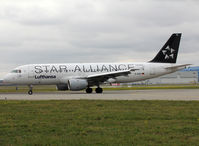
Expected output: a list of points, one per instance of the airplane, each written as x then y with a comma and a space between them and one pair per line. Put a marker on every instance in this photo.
79, 76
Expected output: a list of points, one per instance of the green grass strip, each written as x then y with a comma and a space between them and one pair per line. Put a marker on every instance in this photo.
86, 122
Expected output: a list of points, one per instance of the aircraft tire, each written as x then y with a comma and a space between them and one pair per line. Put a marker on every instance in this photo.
89, 90
30, 92
98, 90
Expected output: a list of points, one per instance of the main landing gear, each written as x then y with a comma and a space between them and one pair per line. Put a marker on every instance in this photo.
30, 90
89, 90
97, 90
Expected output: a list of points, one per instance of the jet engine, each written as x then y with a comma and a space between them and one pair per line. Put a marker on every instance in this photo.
62, 87
77, 84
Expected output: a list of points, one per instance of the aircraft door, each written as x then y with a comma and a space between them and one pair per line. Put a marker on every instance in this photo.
31, 75
30, 72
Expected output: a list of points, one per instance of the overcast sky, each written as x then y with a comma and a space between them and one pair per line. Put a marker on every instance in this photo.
66, 31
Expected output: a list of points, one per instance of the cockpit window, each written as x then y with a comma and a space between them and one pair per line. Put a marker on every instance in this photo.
16, 71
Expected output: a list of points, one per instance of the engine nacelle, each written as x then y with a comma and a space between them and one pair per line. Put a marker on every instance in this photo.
62, 87
77, 84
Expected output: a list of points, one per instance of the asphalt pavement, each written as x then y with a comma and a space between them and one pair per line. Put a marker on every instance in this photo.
165, 94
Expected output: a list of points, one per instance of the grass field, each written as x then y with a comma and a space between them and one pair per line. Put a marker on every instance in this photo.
89, 122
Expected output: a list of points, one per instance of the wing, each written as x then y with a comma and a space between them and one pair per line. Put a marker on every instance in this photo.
103, 77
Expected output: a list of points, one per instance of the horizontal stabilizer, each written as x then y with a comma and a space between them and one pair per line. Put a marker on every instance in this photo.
178, 66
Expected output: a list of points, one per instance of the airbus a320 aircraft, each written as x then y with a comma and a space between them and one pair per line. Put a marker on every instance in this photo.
79, 76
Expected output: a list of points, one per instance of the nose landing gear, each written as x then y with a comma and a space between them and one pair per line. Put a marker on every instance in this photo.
30, 90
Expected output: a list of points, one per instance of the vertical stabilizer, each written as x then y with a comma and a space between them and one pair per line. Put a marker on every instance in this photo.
169, 52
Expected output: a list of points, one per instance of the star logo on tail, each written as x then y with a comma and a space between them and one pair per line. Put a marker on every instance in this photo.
168, 53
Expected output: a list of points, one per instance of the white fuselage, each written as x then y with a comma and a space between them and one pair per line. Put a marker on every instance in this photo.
79, 76
53, 74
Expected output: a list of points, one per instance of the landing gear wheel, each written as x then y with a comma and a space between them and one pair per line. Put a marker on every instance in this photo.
98, 90
30, 89
89, 90
30, 92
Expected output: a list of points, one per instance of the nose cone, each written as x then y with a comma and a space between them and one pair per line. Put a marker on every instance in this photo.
7, 79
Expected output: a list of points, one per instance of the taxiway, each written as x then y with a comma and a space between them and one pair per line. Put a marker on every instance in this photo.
166, 94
